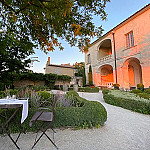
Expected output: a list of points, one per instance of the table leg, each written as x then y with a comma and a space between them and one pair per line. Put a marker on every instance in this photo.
7, 131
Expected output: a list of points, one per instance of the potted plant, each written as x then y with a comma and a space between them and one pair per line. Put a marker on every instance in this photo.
116, 86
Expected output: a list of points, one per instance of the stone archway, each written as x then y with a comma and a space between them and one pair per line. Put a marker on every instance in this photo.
104, 49
106, 75
134, 71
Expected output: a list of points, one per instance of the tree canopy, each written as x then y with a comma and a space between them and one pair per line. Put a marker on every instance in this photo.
44, 21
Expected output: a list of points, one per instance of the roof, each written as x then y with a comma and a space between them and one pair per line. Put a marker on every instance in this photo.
61, 66
124, 22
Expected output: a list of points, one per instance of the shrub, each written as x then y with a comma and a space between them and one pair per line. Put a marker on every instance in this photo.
70, 89
86, 89
13, 92
128, 101
144, 95
116, 86
74, 98
92, 113
105, 91
84, 78
135, 91
147, 91
90, 76
140, 87
2, 94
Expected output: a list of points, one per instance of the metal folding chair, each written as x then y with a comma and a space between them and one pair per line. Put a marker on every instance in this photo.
46, 116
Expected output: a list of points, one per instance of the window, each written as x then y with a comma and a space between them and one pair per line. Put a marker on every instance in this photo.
89, 59
57, 71
130, 39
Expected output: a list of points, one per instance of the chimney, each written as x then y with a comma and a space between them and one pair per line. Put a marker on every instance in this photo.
48, 62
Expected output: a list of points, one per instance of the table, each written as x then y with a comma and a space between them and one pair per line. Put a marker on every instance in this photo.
16, 104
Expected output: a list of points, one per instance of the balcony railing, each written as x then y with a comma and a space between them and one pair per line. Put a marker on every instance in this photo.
105, 58
106, 84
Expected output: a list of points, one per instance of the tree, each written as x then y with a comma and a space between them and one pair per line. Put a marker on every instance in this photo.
79, 67
44, 21
13, 56
90, 76
84, 77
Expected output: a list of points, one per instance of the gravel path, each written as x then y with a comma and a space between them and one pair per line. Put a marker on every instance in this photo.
124, 130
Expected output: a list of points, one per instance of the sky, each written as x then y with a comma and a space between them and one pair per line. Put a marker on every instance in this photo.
117, 10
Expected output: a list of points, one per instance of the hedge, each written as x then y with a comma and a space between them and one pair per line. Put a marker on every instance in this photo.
86, 89
141, 106
91, 113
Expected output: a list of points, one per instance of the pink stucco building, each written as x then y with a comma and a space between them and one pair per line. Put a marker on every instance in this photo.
122, 55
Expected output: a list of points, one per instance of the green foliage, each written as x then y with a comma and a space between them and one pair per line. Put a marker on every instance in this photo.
10, 92
136, 91
144, 95
84, 78
2, 94
147, 91
63, 78
92, 113
39, 88
13, 92
86, 89
13, 56
140, 87
90, 76
41, 24
128, 101
116, 86
105, 91
50, 80
89, 114
30, 76
80, 69
44, 95
74, 98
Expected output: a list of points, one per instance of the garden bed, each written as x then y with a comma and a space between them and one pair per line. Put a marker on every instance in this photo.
86, 89
127, 100
81, 113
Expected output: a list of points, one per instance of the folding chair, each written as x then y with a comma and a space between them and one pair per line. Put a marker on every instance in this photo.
46, 116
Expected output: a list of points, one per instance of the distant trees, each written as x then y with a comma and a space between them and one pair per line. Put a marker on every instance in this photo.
84, 77
90, 76
13, 56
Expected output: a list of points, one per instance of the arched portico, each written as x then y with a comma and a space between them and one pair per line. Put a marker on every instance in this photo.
106, 75
104, 49
134, 72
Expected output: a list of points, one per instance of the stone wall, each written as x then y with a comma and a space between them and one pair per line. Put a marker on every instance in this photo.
24, 83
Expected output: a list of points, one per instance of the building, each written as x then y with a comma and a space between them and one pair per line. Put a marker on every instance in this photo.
122, 55
63, 69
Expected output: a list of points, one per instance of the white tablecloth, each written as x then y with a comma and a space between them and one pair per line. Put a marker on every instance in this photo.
16, 101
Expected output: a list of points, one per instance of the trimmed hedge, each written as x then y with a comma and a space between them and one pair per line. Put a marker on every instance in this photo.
144, 95
86, 89
135, 91
147, 91
91, 113
141, 106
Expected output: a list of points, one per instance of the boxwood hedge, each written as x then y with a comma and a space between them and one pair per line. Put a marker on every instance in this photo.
139, 105
86, 89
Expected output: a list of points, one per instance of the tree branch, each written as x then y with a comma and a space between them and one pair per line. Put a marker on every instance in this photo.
5, 4
21, 9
